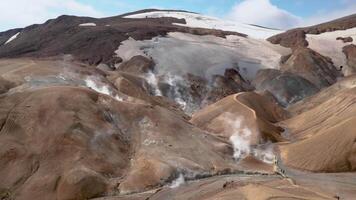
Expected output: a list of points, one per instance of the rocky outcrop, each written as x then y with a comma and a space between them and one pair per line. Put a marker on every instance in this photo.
350, 53
345, 39
286, 87
290, 39
222, 86
312, 66
137, 65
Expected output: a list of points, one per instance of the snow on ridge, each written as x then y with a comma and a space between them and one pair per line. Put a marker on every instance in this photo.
12, 38
201, 21
87, 24
327, 45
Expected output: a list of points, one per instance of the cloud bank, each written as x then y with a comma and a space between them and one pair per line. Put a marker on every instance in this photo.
264, 13
20, 13
325, 16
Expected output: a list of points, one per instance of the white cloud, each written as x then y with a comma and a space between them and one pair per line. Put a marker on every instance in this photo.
325, 16
263, 13
20, 13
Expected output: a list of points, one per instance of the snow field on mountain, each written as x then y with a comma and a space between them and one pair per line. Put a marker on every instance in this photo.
181, 53
201, 21
327, 45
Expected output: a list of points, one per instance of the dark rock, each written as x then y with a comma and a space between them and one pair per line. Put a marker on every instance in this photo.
292, 39
345, 39
286, 87
350, 53
113, 61
137, 65
234, 75
314, 67
222, 86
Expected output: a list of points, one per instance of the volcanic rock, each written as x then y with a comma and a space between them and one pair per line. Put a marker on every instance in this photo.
286, 87
312, 66
350, 53
222, 86
345, 39
291, 39
137, 65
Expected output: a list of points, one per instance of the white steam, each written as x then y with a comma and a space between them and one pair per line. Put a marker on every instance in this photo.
241, 144
177, 90
153, 82
265, 155
178, 182
241, 138
174, 81
102, 88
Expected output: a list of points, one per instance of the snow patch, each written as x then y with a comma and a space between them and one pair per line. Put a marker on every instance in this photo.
87, 24
130, 48
327, 45
12, 38
202, 21
204, 56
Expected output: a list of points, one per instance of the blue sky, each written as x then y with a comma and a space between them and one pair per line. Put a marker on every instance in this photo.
303, 8
282, 14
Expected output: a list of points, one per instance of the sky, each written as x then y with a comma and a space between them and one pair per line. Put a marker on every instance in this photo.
282, 14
